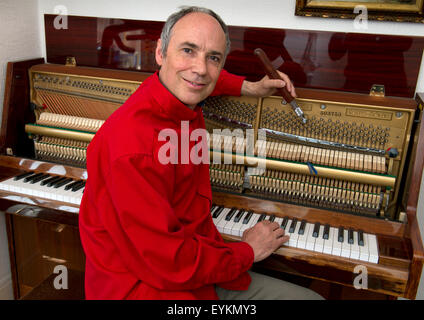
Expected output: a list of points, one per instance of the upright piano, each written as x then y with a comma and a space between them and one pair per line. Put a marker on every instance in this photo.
344, 185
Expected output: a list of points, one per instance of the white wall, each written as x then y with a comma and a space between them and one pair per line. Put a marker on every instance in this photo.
22, 36
19, 39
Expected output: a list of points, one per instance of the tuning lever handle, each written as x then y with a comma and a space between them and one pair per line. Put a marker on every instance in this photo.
272, 73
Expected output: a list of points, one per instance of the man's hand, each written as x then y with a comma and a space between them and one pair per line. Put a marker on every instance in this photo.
266, 86
264, 238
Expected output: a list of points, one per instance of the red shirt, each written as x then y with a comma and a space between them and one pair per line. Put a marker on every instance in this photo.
146, 227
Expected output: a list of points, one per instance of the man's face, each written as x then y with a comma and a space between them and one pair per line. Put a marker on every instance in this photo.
194, 58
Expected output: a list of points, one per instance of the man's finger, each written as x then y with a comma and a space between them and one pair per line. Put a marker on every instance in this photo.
275, 226
279, 232
283, 239
289, 84
275, 83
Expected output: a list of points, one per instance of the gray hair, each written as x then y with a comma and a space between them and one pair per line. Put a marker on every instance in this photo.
172, 20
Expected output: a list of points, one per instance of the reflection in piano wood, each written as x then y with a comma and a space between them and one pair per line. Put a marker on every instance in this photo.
339, 185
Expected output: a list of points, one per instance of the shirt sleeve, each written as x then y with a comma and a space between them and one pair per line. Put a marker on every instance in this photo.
228, 84
155, 246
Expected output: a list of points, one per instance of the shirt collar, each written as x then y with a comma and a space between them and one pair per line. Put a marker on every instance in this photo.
171, 105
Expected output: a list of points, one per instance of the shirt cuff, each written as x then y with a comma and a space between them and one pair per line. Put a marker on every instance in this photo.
243, 253
228, 84
234, 83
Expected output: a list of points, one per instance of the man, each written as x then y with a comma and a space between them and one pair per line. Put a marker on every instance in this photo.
146, 226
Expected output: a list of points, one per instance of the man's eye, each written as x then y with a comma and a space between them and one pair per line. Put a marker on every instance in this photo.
187, 50
215, 59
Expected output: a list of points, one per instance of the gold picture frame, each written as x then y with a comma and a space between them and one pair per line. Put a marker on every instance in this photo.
383, 10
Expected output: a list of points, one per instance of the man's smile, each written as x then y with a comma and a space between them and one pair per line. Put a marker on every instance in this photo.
195, 85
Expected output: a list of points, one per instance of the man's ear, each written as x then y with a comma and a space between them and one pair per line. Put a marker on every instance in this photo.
158, 53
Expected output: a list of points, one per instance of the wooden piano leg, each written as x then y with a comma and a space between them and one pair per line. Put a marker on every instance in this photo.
11, 244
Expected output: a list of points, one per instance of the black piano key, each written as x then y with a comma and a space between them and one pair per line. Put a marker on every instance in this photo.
53, 182
272, 218
326, 234
350, 236
284, 222
82, 185
239, 215
302, 227
229, 215
71, 185
29, 179
315, 233
217, 212
63, 182
340, 236
76, 185
23, 175
213, 207
54, 178
247, 217
293, 225
38, 179
361, 238
262, 217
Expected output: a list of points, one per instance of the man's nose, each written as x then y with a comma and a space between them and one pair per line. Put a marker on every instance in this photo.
199, 65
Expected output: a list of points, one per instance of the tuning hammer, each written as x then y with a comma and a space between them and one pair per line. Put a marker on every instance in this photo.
273, 74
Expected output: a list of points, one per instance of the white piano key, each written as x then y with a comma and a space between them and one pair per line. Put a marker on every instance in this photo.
244, 226
76, 196
328, 243
301, 240
287, 228
35, 189
68, 195
229, 225
9, 185
235, 230
319, 242
354, 249
337, 246
310, 240
345, 245
364, 254
373, 248
216, 220
278, 220
221, 224
294, 236
16, 186
251, 223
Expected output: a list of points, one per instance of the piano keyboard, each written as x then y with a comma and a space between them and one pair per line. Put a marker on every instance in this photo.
335, 241
46, 186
